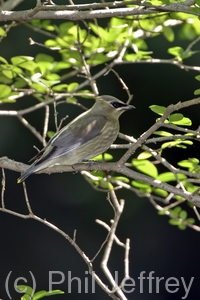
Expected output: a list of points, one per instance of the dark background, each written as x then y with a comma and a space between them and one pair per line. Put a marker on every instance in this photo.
69, 202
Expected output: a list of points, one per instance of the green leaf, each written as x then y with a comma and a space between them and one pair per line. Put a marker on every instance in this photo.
65, 27
162, 212
197, 2
190, 163
43, 293
61, 65
144, 155
2, 59
60, 87
121, 178
189, 54
52, 77
8, 74
26, 289
174, 222
182, 226
146, 167
176, 210
168, 33
104, 156
197, 77
160, 192
2, 32
197, 92
142, 186
104, 184
72, 100
44, 57
163, 133
72, 86
177, 143
176, 51
98, 58
179, 119
26, 297
17, 60
183, 215
175, 117
29, 66
50, 134
5, 91
20, 83
160, 110
190, 220
169, 176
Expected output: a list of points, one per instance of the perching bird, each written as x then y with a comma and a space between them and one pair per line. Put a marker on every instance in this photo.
87, 136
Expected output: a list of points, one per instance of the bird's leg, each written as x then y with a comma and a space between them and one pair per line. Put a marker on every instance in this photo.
90, 163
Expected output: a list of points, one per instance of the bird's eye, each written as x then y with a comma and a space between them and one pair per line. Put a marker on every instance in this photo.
117, 104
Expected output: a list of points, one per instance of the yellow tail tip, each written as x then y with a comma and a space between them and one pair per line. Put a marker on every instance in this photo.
19, 180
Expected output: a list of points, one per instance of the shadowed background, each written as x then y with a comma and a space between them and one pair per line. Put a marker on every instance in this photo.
69, 202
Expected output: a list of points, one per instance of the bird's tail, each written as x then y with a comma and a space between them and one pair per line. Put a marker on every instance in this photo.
27, 173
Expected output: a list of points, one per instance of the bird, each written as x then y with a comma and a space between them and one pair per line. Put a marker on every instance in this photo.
88, 135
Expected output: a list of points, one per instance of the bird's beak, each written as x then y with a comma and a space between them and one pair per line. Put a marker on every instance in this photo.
128, 107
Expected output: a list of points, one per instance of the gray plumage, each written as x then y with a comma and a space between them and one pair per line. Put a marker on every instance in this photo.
87, 136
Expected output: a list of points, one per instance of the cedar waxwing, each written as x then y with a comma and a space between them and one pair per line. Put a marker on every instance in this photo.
87, 136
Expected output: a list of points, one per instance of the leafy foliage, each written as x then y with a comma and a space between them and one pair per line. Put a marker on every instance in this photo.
30, 294
80, 48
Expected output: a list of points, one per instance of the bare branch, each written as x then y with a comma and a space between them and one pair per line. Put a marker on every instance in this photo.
74, 13
126, 259
3, 183
118, 208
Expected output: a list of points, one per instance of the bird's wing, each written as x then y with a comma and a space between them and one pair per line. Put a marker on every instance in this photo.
73, 137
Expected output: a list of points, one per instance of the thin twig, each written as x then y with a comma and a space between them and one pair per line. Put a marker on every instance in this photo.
126, 259
3, 183
45, 127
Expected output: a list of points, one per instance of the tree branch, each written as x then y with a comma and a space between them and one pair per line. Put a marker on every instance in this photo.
75, 13
7, 163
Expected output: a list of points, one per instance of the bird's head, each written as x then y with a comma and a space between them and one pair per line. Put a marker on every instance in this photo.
111, 105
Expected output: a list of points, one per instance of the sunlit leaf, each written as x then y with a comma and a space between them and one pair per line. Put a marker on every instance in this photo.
168, 33
169, 176
17, 60
176, 51
2, 59
44, 57
160, 192
105, 156
60, 87
72, 86
5, 91
50, 134
146, 167
43, 293
162, 133
160, 110
142, 186
2, 32
190, 163
121, 178
25, 288
179, 119
144, 155
72, 100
